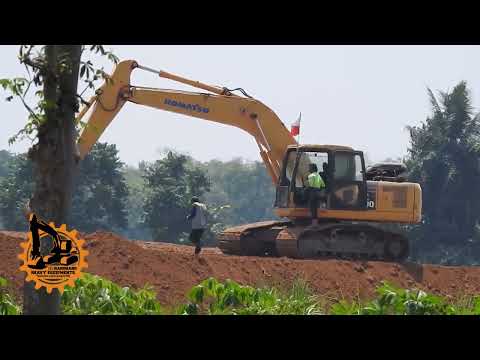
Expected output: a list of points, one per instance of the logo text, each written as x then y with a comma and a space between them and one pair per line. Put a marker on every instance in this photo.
190, 107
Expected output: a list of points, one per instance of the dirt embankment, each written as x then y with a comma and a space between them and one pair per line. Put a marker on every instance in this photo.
172, 270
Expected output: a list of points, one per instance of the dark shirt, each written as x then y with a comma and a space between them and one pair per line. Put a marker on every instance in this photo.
193, 212
323, 174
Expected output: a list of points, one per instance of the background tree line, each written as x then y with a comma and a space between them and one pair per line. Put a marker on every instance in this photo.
147, 202
152, 200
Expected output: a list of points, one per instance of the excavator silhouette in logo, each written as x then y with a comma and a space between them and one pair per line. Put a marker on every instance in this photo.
62, 252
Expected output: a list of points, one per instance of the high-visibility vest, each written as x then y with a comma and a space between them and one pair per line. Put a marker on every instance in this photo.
315, 181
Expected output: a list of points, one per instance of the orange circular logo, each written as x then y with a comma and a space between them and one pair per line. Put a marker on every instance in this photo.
64, 262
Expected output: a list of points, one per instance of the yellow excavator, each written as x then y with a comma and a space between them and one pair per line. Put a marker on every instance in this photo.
357, 199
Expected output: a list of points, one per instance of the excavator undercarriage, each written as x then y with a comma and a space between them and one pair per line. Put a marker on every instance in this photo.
329, 239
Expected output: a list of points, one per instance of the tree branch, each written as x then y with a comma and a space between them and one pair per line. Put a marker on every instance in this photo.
29, 109
83, 101
26, 60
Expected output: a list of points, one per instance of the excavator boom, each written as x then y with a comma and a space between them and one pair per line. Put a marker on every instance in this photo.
220, 105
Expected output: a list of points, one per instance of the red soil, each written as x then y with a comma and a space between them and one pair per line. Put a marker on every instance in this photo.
172, 270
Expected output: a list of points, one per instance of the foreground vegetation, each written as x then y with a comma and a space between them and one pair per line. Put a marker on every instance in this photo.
94, 295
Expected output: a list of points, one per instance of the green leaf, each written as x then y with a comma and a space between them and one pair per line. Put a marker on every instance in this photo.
196, 294
97, 296
113, 58
12, 140
5, 83
190, 309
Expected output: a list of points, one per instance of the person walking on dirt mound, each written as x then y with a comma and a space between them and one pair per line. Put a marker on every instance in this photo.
198, 216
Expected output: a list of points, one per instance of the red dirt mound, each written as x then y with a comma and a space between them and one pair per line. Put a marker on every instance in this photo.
172, 270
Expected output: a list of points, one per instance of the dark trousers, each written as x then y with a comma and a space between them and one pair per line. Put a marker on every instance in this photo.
314, 200
196, 238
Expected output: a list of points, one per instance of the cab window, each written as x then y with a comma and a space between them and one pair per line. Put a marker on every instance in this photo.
348, 167
307, 158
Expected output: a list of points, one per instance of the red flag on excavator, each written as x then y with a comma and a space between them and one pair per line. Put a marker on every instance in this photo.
295, 127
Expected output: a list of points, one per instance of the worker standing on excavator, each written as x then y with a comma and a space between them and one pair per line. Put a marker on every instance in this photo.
315, 187
198, 216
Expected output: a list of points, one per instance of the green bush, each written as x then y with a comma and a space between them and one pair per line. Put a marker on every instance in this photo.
93, 295
229, 298
7, 304
396, 301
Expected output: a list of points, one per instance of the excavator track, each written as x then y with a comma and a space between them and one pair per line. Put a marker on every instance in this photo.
342, 240
331, 239
256, 239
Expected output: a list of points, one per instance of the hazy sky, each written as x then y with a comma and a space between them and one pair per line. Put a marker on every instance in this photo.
361, 96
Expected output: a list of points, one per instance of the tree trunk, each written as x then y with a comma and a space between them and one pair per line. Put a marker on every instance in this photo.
54, 161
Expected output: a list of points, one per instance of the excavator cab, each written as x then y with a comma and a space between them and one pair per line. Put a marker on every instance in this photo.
341, 168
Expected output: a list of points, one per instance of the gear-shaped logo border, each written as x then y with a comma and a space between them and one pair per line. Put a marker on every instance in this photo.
70, 279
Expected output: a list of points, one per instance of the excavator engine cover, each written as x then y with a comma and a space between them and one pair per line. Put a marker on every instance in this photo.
387, 172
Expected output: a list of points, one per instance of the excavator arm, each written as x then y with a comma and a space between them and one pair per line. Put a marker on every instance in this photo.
219, 105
